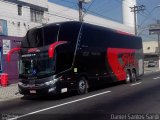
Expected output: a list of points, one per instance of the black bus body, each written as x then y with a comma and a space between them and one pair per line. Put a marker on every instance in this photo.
60, 57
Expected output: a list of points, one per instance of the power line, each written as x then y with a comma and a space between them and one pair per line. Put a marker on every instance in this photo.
67, 9
88, 8
61, 16
100, 5
148, 15
90, 5
100, 15
136, 9
69, 2
110, 7
126, 4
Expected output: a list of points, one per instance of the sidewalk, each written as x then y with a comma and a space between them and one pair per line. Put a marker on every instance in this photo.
9, 92
151, 69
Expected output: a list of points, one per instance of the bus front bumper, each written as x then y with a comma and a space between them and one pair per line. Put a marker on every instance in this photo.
36, 89
41, 89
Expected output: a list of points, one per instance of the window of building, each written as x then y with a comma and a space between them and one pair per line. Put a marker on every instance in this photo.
19, 10
36, 16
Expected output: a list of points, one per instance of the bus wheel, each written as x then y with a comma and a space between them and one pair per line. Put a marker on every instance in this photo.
134, 79
128, 77
82, 86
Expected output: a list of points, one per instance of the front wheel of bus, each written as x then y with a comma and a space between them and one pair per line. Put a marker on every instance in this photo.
82, 86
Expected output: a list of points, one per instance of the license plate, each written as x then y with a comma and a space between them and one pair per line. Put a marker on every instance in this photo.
33, 91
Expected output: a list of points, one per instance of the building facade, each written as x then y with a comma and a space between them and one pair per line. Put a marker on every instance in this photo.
150, 47
18, 16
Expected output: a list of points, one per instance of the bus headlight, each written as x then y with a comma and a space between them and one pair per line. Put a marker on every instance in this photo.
51, 82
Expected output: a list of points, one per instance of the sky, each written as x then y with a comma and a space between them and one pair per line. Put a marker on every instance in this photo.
112, 10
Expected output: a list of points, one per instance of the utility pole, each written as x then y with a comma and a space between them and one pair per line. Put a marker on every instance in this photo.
80, 5
80, 11
136, 9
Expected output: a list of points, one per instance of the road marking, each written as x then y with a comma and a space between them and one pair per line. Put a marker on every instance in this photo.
156, 78
136, 84
60, 105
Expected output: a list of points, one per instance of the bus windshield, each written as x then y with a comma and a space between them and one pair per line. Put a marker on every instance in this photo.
37, 64
43, 36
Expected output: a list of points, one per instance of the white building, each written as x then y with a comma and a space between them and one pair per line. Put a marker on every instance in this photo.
150, 47
17, 16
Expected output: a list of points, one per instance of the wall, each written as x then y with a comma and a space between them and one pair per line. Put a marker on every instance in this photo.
10, 68
16, 25
150, 46
128, 16
42, 3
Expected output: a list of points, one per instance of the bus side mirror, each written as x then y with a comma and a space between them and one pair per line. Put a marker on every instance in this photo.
10, 52
52, 47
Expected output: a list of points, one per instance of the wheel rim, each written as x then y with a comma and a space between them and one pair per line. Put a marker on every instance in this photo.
128, 77
82, 86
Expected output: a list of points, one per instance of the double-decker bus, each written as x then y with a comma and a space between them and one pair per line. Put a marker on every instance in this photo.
65, 56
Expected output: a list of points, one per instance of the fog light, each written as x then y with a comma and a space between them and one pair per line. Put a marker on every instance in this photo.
51, 89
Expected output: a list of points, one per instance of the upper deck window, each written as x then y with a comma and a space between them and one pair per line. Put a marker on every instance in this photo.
38, 37
33, 38
46, 35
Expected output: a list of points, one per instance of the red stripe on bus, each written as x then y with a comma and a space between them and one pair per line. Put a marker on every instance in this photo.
52, 47
114, 61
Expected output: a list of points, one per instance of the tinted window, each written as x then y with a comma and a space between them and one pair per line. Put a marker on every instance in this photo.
69, 32
33, 38
65, 54
124, 41
100, 38
38, 37
50, 33
93, 37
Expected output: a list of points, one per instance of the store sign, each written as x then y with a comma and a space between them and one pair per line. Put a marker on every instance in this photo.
6, 46
3, 27
154, 29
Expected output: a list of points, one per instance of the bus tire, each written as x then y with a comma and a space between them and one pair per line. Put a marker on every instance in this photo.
82, 86
133, 75
128, 77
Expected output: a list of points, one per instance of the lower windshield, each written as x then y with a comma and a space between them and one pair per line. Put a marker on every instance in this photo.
37, 64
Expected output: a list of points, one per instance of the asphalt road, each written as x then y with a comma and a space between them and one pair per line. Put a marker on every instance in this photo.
135, 101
